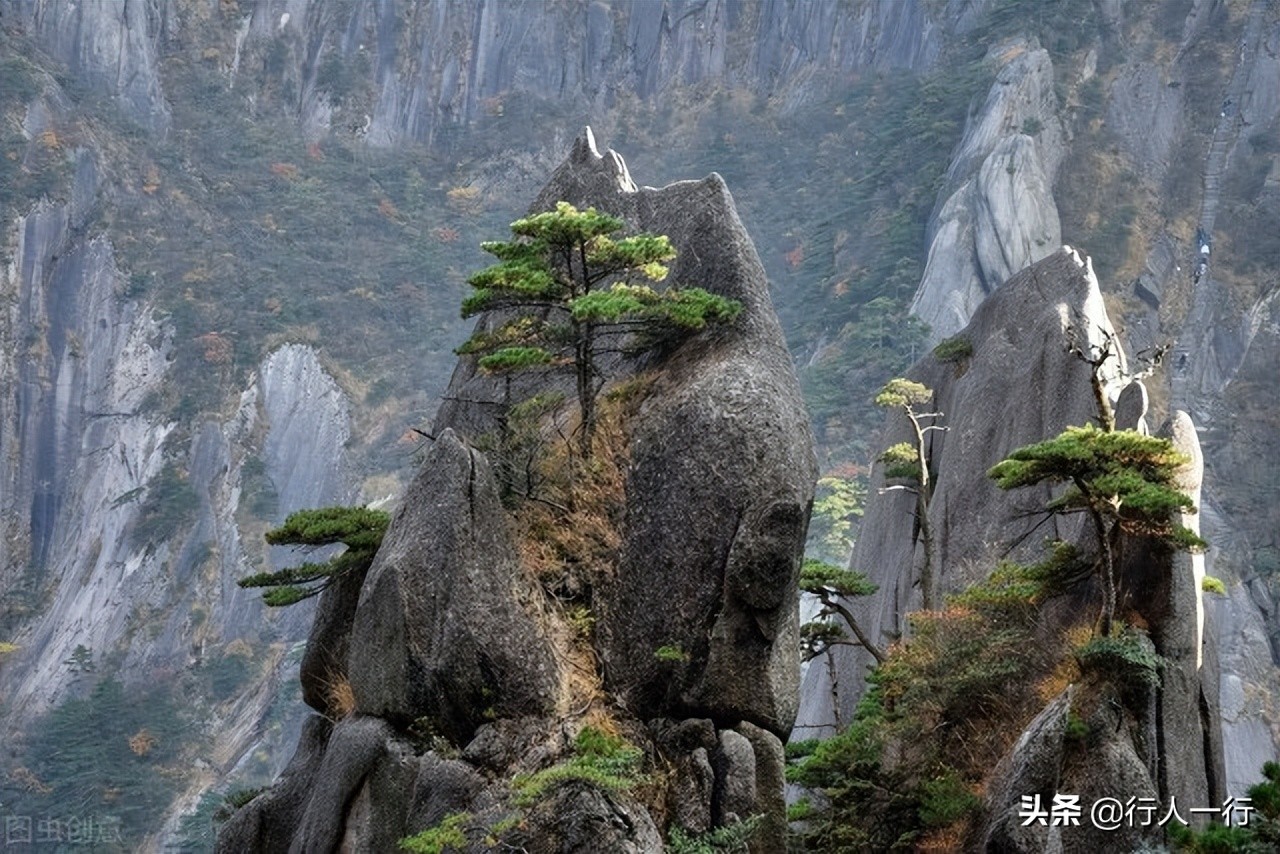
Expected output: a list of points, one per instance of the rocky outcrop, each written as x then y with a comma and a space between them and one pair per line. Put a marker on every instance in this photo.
721, 430
447, 626
1017, 337
996, 213
1161, 741
451, 637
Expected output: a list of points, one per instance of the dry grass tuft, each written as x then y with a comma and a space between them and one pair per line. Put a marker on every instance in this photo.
339, 696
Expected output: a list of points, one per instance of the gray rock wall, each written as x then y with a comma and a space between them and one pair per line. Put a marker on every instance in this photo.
996, 213
114, 45
1017, 336
436, 67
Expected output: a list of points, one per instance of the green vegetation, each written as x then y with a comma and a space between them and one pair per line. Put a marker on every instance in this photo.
837, 505
450, 833
1124, 481
957, 348
939, 711
671, 654
727, 839
1125, 659
831, 584
109, 754
569, 285
360, 529
1209, 584
602, 760
909, 463
169, 504
1260, 836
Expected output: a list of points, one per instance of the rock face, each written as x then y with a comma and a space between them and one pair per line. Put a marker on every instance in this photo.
1018, 342
87, 454
1166, 743
447, 626
465, 60
111, 44
450, 632
722, 430
996, 213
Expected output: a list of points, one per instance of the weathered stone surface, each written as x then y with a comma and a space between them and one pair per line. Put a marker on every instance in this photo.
324, 663
1131, 408
577, 818
683, 736
771, 766
111, 44
1167, 589
515, 745
721, 438
376, 820
996, 214
1110, 766
443, 786
444, 627
472, 54
268, 822
735, 767
1032, 767
1018, 341
308, 425
355, 748
692, 787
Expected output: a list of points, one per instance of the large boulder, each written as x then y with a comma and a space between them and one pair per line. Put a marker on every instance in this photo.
452, 639
720, 475
268, 822
446, 626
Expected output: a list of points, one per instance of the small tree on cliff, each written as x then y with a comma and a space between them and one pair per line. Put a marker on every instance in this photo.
1123, 480
567, 291
360, 529
831, 584
908, 463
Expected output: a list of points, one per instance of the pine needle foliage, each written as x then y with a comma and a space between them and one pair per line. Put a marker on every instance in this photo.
1128, 476
1125, 481
832, 584
909, 463
360, 529
571, 290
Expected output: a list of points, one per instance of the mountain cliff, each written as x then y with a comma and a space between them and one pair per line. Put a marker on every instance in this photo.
235, 235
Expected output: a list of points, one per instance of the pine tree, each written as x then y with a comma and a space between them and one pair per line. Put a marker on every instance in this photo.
360, 529
567, 290
1124, 481
908, 462
831, 584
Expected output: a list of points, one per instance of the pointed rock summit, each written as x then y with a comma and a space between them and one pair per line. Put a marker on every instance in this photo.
485, 689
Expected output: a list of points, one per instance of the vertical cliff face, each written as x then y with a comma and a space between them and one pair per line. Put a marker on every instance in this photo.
405, 73
1166, 743
996, 213
123, 531
1017, 338
1168, 105
112, 46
